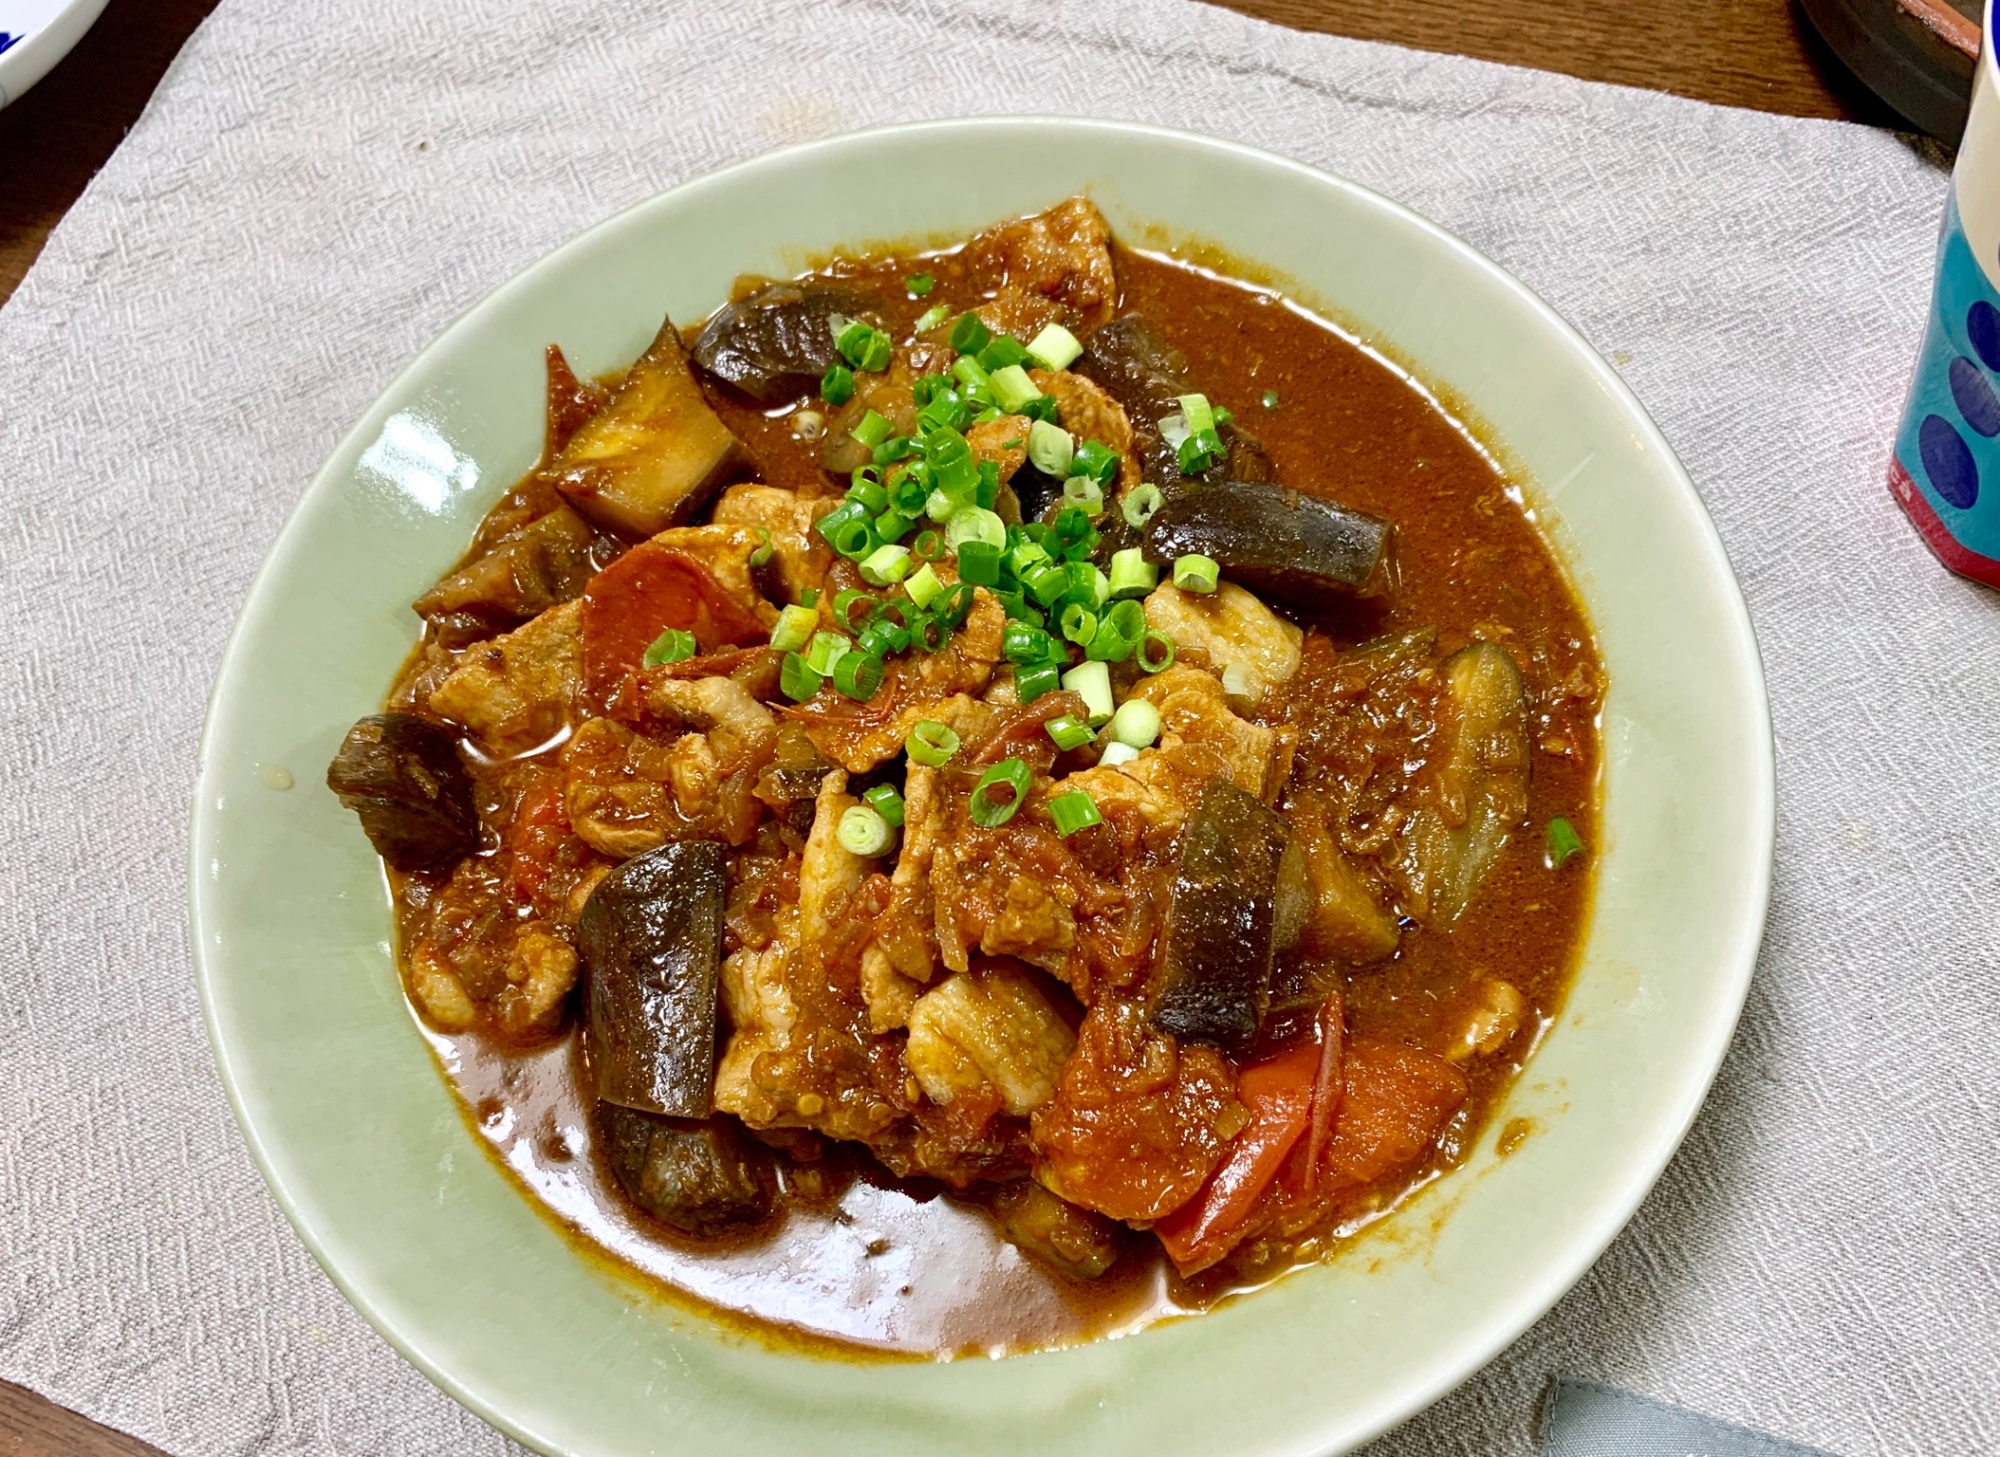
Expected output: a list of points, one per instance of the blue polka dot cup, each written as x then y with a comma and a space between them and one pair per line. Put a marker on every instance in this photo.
1946, 470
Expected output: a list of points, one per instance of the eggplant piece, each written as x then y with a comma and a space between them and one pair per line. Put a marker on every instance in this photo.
539, 566
700, 1177
1147, 377
1080, 1242
652, 457
1483, 782
1277, 541
1213, 982
651, 938
402, 775
775, 344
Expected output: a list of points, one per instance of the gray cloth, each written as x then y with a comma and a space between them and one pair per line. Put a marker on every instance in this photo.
317, 190
1585, 1419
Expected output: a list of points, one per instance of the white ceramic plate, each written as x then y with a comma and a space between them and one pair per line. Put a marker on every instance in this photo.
359, 1137
35, 34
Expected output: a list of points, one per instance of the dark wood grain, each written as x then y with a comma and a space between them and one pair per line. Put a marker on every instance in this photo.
1753, 53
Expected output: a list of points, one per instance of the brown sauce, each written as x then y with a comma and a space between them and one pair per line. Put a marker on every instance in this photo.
860, 1262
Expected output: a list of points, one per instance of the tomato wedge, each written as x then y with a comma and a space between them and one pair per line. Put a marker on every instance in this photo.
1279, 1094
1301, 1177
646, 591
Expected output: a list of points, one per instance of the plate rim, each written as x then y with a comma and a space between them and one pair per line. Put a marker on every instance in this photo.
1533, 1298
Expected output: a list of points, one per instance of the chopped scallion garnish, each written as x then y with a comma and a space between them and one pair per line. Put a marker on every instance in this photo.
924, 586
1270, 399
1136, 722
873, 430
1131, 574
844, 604
794, 629
886, 802
1096, 460
886, 565
973, 523
979, 563
1141, 503
764, 548
931, 743
796, 678
1055, 347
1092, 682
864, 346
1012, 389
826, 649
675, 645
1156, 652
857, 675
969, 335
1032, 682
1079, 624
1196, 573
1198, 413
999, 793
1074, 811
919, 284
1565, 844
836, 386
1051, 449
1068, 732
1083, 493
930, 318
863, 831
1115, 754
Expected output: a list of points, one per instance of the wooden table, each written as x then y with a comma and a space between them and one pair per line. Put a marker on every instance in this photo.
1753, 53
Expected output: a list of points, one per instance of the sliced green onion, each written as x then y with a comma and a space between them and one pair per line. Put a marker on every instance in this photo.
1045, 582
923, 586
928, 547
955, 605
919, 284
1242, 684
1118, 632
1042, 407
1115, 754
989, 808
836, 386
1092, 681
1003, 351
986, 495
1069, 732
857, 676
928, 634
797, 679
883, 637
1565, 844
931, 743
1199, 415
1096, 460
863, 831
794, 629
1023, 642
947, 411
1270, 399
886, 802
1222, 417
1136, 723
764, 549
826, 649
672, 646
969, 335
979, 563
1012, 389
930, 318
1198, 452
809, 597
973, 523
864, 346
1196, 573
893, 525
1051, 449
1027, 553
1055, 347
855, 538
830, 525
1032, 682
886, 565
895, 448
1131, 574
1156, 652
844, 604
873, 430
970, 373
1082, 492
867, 493
1079, 624
909, 488
1141, 503
1074, 811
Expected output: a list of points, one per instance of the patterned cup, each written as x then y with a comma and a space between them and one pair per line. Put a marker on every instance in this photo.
1946, 470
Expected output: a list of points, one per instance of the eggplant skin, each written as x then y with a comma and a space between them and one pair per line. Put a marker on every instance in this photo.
775, 344
702, 1178
651, 940
1213, 982
1147, 376
1278, 542
402, 775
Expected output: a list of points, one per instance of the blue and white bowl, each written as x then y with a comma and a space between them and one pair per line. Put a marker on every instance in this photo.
35, 34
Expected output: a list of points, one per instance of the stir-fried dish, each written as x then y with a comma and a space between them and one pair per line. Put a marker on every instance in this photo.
980, 798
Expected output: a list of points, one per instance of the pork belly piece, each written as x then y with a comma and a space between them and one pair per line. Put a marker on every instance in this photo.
519, 689
653, 456
989, 1030
1228, 625
799, 558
